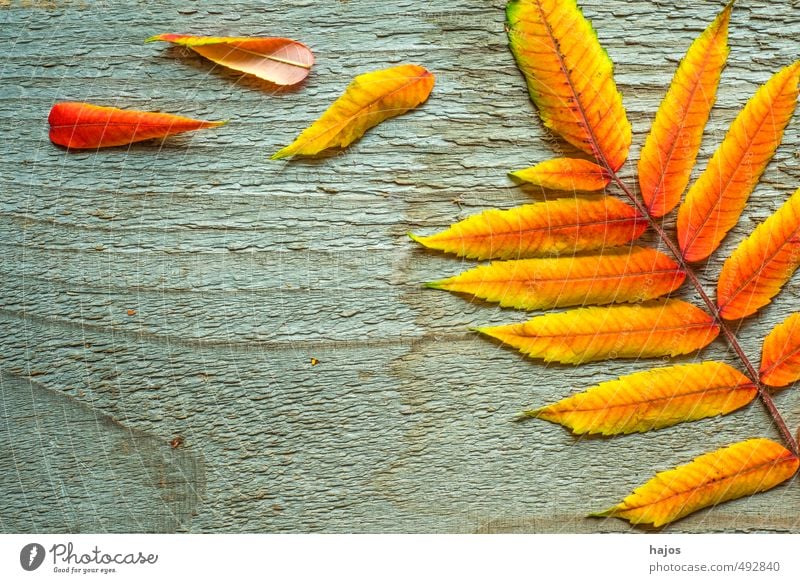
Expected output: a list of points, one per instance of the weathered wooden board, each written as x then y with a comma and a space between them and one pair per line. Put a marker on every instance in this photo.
182, 289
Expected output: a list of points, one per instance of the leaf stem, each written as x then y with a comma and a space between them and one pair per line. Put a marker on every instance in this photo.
729, 335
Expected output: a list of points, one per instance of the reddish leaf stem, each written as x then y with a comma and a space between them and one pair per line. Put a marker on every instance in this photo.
729, 335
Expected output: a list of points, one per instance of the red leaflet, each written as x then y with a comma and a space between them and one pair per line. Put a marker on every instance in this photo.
82, 125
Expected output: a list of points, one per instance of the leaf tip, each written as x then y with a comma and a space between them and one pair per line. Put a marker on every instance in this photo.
527, 414
608, 512
416, 238
440, 284
154, 38
515, 175
279, 154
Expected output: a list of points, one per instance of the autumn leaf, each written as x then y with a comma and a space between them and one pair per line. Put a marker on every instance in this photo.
652, 399
761, 264
741, 469
83, 125
715, 201
671, 147
617, 275
780, 355
559, 226
281, 61
655, 328
569, 77
369, 99
565, 174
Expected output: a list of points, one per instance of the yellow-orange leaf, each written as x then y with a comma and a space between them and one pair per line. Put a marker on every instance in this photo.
780, 355
671, 148
281, 61
653, 399
617, 275
369, 99
741, 469
569, 76
714, 203
655, 328
564, 225
761, 264
565, 174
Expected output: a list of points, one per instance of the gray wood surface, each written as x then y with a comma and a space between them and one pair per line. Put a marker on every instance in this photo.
181, 290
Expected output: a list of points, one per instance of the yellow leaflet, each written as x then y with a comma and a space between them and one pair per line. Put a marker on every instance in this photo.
570, 77
616, 275
670, 150
741, 469
563, 225
655, 328
367, 101
652, 399
568, 174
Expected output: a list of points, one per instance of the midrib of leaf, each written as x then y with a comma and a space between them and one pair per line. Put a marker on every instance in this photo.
575, 95
262, 55
729, 335
547, 228
121, 124
739, 387
595, 333
566, 279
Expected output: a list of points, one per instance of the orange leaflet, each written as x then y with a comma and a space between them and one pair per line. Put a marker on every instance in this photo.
741, 469
563, 225
570, 77
369, 99
565, 174
780, 355
652, 399
617, 275
670, 150
761, 264
278, 60
714, 203
82, 125
655, 328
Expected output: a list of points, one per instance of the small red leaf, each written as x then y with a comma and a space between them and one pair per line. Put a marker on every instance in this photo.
82, 125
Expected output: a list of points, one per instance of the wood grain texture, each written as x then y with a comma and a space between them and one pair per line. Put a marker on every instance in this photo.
182, 289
